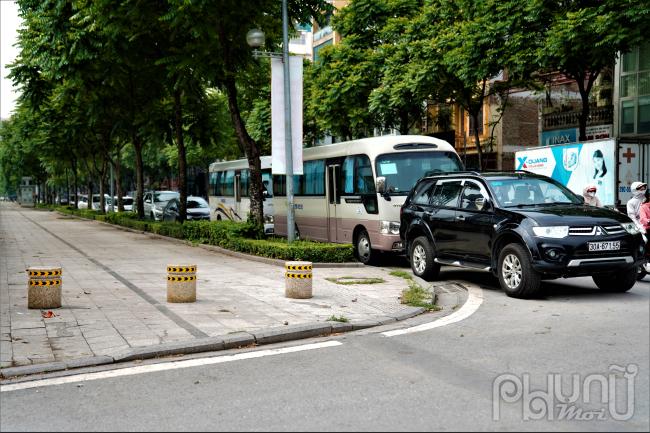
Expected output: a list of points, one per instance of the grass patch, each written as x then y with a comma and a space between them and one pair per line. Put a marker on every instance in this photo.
402, 274
346, 281
417, 296
341, 319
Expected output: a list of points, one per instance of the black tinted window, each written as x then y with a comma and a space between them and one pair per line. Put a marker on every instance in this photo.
422, 193
472, 198
447, 194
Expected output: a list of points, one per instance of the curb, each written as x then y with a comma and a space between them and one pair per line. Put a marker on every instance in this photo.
216, 249
236, 340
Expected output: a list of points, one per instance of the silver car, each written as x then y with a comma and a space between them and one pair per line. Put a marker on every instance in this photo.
155, 202
197, 209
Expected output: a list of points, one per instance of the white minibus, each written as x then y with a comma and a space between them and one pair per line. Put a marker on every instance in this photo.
352, 192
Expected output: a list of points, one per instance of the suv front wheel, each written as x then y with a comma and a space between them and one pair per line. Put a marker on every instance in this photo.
422, 259
516, 275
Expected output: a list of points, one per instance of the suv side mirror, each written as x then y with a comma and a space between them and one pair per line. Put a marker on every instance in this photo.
581, 198
381, 184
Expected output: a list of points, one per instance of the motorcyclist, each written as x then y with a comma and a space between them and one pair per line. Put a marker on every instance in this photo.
634, 204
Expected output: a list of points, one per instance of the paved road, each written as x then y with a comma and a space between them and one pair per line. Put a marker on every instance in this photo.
441, 379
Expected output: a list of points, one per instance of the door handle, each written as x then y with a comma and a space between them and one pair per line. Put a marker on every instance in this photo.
460, 217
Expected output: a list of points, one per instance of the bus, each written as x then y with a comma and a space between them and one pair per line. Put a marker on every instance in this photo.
352, 192
228, 195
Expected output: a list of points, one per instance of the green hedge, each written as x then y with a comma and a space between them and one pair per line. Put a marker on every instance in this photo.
245, 237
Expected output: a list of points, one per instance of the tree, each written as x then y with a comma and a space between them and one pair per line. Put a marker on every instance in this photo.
457, 52
355, 75
581, 38
217, 51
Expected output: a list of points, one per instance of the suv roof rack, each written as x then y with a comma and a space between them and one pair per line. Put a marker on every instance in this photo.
443, 173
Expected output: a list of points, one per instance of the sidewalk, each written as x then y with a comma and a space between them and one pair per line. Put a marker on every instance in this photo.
114, 297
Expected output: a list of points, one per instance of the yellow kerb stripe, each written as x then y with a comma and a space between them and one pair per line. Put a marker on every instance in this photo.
44, 282
181, 268
298, 267
45, 273
290, 275
188, 278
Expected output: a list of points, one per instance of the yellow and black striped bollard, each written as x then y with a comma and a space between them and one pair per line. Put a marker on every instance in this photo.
181, 283
298, 278
44, 287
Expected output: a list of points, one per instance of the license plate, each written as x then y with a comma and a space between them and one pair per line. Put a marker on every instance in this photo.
605, 246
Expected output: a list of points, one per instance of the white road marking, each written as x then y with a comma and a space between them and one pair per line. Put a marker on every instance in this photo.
164, 366
474, 300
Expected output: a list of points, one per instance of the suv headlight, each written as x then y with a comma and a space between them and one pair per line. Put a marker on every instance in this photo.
389, 227
555, 232
631, 228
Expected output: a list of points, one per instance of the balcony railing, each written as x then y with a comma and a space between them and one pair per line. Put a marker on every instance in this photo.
569, 119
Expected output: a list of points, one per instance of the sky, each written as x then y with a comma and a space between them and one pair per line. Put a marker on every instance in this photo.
9, 23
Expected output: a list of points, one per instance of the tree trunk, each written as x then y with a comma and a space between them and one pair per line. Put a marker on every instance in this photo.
252, 152
477, 141
75, 176
404, 122
139, 175
182, 158
118, 182
584, 113
67, 186
90, 192
207, 182
102, 185
584, 95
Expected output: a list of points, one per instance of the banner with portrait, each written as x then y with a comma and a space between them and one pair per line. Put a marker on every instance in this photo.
576, 165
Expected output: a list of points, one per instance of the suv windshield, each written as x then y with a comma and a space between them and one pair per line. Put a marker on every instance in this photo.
530, 192
402, 170
165, 196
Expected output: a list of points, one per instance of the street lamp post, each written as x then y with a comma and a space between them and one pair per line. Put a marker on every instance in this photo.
255, 38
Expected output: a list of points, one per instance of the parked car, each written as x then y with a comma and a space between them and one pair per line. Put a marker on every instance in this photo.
197, 209
155, 202
127, 202
83, 201
522, 227
96, 201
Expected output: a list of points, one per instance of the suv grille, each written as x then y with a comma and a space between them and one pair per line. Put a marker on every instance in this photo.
596, 230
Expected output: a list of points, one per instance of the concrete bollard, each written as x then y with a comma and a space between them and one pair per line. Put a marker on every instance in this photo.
181, 283
44, 288
298, 280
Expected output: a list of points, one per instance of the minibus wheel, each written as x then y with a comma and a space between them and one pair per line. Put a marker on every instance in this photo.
363, 248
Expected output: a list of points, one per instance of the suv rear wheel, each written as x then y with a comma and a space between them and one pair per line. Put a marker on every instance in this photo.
517, 277
422, 259
618, 282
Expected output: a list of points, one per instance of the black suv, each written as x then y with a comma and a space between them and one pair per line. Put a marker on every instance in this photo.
520, 226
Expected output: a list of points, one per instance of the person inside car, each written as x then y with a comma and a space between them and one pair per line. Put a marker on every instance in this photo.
589, 194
